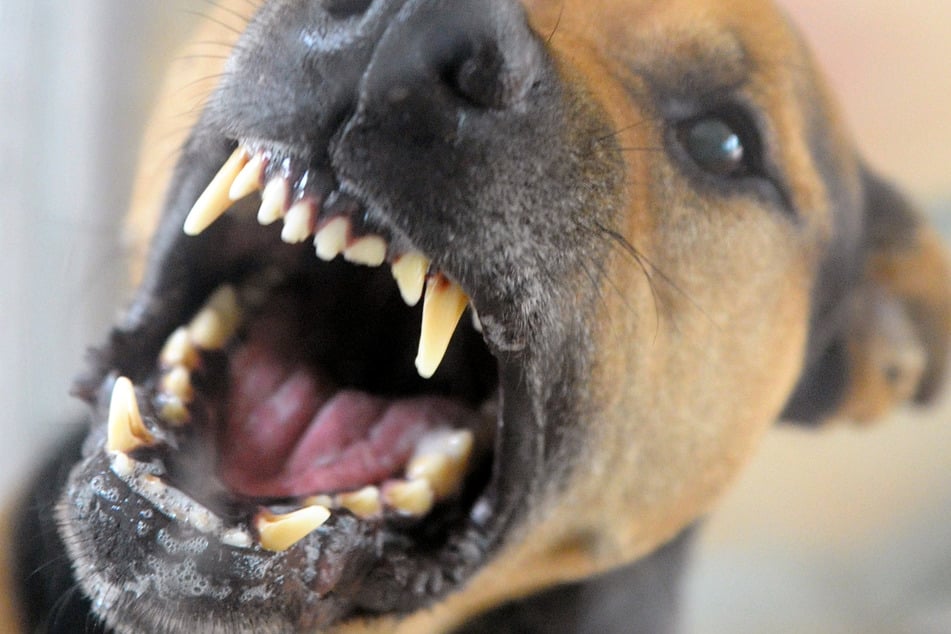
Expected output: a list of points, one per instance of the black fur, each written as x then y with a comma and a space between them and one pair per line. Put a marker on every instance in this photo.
49, 597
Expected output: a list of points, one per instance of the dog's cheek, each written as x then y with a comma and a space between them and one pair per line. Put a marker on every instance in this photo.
696, 357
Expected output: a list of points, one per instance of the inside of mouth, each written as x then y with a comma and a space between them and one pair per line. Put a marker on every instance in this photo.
315, 394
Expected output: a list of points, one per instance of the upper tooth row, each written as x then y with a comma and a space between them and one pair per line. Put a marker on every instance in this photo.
243, 174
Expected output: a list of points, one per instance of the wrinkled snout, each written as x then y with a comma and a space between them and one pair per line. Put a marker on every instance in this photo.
303, 68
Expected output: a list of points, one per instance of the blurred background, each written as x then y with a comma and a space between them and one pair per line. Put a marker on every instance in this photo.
840, 531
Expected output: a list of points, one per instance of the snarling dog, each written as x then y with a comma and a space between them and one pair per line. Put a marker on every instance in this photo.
625, 238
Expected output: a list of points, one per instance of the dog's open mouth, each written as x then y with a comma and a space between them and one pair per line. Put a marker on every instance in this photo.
301, 374
328, 408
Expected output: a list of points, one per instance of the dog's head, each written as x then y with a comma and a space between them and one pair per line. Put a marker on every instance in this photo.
665, 242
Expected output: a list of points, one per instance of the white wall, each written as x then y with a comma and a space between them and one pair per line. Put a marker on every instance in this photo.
76, 78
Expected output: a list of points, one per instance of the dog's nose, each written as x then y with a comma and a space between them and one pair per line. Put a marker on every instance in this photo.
302, 68
479, 50
438, 58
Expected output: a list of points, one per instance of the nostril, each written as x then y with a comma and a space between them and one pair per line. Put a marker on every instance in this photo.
341, 9
479, 77
440, 57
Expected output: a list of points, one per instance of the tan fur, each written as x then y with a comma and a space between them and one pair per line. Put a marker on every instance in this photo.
10, 620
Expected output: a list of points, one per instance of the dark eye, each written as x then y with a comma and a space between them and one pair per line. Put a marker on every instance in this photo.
715, 145
723, 147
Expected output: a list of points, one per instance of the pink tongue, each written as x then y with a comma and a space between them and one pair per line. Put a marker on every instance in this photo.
291, 432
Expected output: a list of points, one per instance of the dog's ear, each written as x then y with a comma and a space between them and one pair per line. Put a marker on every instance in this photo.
890, 341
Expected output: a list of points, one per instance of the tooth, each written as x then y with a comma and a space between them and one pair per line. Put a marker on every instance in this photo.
409, 271
214, 201
476, 321
414, 498
177, 382
236, 538
217, 322
248, 179
179, 351
298, 222
364, 503
126, 429
442, 307
279, 532
273, 200
320, 500
332, 239
442, 459
368, 250
173, 411
122, 465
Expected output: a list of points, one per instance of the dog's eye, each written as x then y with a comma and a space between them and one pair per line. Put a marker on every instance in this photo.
716, 146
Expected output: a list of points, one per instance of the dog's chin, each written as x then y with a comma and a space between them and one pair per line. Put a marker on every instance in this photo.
287, 466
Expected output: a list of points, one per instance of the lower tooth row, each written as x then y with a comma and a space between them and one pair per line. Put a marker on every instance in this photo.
434, 473
412, 498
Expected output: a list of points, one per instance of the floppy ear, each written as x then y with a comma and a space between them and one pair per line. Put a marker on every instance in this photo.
891, 339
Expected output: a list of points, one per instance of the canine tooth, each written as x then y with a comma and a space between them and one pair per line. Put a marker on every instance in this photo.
368, 250
442, 307
217, 322
179, 351
332, 239
365, 503
298, 222
409, 271
414, 497
273, 200
126, 429
442, 459
280, 532
177, 382
214, 201
248, 179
